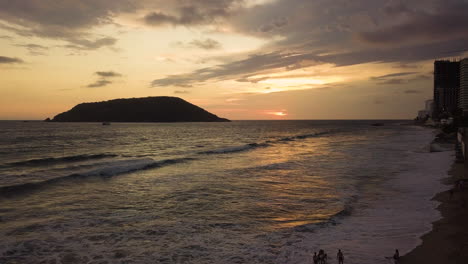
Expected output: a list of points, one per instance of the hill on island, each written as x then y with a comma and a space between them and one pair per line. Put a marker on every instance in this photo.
148, 109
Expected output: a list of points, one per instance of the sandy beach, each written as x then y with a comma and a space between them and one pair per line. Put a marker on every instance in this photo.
448, 240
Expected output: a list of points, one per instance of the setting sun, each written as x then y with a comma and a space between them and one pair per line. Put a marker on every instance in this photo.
277, 113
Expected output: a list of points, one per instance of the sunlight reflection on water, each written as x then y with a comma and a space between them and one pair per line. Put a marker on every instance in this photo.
223, 205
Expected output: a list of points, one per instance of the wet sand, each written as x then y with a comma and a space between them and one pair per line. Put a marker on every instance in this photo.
448, 240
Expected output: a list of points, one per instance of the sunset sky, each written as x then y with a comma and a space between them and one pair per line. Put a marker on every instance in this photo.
240, 59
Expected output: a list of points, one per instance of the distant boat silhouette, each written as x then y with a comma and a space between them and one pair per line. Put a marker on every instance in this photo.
106, 123
377, 124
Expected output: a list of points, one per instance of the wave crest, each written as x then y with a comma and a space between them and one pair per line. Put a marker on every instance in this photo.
109, 169
48, 161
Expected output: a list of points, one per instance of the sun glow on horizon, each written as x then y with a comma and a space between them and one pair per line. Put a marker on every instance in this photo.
277, 113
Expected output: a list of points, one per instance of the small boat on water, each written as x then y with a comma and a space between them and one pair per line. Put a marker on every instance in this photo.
377, 124
106, 123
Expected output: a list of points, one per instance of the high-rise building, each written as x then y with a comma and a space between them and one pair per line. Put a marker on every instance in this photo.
446, 87
463, 100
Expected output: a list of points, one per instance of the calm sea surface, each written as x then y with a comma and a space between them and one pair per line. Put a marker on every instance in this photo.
239, 192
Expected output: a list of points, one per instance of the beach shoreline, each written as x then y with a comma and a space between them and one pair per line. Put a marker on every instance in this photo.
447, 241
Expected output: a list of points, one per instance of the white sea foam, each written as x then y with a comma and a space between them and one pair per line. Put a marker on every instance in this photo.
118, 167
235, 148
395, 219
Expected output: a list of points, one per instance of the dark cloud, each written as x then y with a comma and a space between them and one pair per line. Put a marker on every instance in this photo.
8, 60
76, 39
406, 66
85, 44
63, 20
319, 23
158, 19
5, 37
68, 14
108, 74
416, 53
32, 46
193, 13
277, 23
396, 8
99, 83
419, 77
387, 76
207, 44
423, 77
395, 81
104, 78
34, 49
449, 20
72, 21
181, 92
252, 80
174, 80
389, 79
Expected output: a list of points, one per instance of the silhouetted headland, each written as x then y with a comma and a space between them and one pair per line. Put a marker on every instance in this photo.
148, 109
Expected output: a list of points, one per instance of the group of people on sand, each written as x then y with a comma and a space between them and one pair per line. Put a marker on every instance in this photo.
322, 258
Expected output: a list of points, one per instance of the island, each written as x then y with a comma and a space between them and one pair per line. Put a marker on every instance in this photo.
147, 109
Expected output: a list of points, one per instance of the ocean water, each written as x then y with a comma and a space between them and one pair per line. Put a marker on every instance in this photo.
239, 192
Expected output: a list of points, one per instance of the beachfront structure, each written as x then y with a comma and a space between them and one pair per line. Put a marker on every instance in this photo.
422, 114
463, 100
446, 87
429, 107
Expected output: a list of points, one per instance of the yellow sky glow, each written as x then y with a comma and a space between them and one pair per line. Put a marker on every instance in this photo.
59, 77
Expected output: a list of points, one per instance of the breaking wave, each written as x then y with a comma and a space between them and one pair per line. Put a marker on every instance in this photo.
109, 169
267, 143
235, 149
48, 161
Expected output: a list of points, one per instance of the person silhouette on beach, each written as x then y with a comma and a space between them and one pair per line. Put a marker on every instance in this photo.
396, 256
340, 257
315, 258
321, 256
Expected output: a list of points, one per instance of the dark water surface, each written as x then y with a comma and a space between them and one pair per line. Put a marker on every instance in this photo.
239, 192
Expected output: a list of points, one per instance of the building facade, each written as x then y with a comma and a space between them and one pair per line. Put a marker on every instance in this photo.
446, 87
422, 114
463, 100
429, 107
